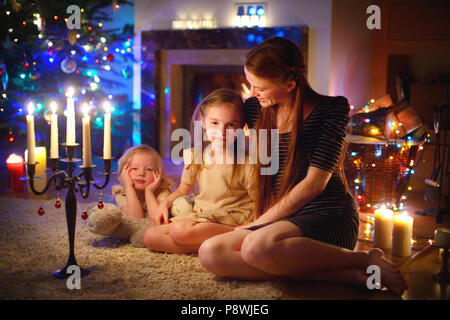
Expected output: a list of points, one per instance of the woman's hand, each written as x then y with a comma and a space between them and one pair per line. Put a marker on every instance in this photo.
155, 183
125, 176
161, 215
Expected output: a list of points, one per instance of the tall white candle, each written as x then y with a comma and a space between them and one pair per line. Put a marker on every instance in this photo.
382, 234
54, 148
70, 128
87, 156
402, 235
31, 142
107, 131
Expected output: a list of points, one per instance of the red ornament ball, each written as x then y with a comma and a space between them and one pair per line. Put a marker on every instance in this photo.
84, 215
58, 204
110, 57
41, 211
10, 137
100, 205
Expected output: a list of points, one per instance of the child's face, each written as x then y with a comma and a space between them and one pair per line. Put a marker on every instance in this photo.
142, 165
267, 91
218, 119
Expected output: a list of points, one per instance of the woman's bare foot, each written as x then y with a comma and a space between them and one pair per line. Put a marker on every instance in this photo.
390, 275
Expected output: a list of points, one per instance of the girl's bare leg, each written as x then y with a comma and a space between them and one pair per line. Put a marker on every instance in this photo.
187, 231
157, 238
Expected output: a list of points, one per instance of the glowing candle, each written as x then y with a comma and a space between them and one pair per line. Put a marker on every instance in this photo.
15, 172
31, 142
70, 128
382, 234
107, 131
87, 156
402, 235
54, 152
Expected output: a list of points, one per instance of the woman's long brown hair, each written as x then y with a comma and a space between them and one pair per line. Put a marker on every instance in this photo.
280, 60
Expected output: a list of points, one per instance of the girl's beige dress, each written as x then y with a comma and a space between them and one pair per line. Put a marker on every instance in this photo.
220, 198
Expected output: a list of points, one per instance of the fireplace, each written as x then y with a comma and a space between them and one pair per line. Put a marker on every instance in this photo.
180, 67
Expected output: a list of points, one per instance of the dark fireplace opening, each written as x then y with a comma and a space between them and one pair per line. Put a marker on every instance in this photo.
199, 81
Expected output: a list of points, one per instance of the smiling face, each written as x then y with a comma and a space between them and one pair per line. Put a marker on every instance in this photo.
218, 121
268, 91
142, 165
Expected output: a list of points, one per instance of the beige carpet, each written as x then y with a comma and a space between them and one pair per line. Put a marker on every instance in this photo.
33, 246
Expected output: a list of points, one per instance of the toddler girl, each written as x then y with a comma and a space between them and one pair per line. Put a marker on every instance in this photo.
143, 186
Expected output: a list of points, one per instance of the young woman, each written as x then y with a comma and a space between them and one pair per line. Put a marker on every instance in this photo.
306, 224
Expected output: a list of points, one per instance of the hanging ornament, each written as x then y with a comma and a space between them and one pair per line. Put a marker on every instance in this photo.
58, 202
127, 73
110, 57
41, 211
72, 37
3, 76
84, 215
68, 65
16, 6
100, 201
10, 137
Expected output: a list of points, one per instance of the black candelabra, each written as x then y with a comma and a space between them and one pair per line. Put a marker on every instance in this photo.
66, 179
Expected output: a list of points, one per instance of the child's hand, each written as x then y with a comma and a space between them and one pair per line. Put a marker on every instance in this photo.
125, 176
155, 183
161, 215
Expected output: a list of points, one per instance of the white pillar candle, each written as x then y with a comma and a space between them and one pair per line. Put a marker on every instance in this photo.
54, 148
402, 235
31, 142
382, 234
107, 131
41, 166
70, 128
87, 156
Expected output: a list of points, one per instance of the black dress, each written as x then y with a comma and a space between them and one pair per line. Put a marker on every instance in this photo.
332, 217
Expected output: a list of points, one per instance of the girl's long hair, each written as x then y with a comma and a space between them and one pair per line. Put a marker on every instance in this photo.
280, 60
219, 96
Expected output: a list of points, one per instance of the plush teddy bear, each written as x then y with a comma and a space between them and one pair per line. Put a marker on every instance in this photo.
111, 221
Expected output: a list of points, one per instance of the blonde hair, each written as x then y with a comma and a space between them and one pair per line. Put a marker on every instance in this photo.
143, 148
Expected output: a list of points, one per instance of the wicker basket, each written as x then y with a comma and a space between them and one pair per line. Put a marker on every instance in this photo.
378, 170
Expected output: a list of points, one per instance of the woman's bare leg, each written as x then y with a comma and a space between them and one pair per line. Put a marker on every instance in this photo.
279, 248
278, 251
221, 256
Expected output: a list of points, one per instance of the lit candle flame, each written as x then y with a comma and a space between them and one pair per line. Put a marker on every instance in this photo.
53, 106
85, 109
107, 107
30, 108
70, 92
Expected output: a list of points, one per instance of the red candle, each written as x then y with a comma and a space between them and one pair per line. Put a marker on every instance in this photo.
15, 172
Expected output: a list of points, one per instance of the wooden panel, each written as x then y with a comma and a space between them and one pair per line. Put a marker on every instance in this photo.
419, 21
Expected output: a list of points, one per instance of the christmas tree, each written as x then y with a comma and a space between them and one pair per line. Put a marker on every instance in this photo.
41, 57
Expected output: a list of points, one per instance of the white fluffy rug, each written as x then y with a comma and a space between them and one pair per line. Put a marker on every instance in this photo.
33, 246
